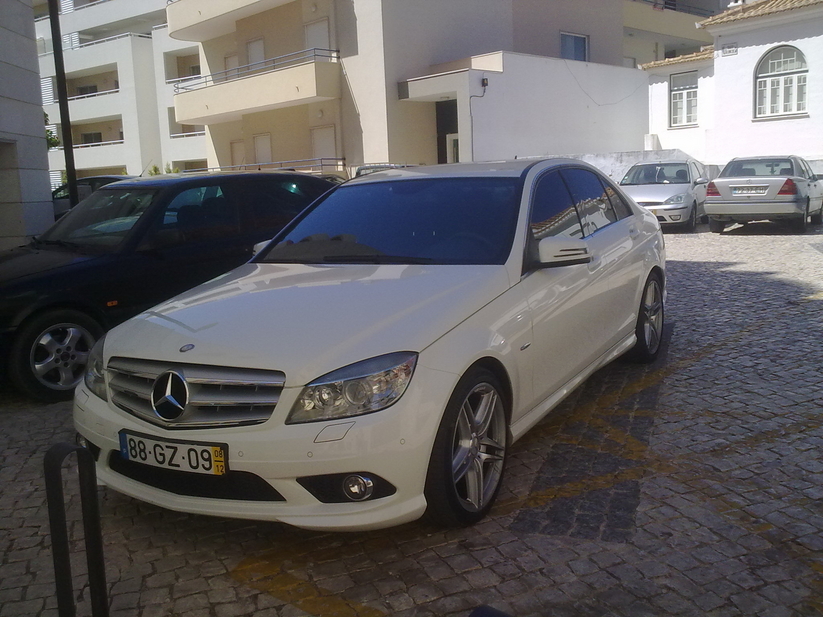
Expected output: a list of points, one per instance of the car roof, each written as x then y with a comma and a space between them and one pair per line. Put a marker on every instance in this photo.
198, 177
511, 169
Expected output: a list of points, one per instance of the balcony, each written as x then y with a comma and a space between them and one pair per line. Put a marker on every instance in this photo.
88, 106
299, 78
91, 156
201, 20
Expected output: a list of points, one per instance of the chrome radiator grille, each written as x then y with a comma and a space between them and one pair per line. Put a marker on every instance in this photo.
217, 395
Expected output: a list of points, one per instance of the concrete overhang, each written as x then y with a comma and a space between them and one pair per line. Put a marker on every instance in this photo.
231, 100
201, 20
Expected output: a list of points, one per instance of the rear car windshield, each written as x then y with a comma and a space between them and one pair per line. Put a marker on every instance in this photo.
432, 220
657, 173
102, 220
755, 168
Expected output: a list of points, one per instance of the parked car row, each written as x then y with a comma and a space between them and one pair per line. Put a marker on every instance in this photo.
775, 188
126, 247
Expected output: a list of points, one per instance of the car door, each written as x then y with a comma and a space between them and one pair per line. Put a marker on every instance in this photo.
611, 231
815, 187
563, 301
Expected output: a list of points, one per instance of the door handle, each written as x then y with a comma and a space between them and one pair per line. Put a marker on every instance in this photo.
633, 231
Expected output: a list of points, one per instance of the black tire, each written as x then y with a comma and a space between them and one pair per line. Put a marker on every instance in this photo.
690, 226
469, 456
650, 322
716, 226
49, 354
817, 217
801, 224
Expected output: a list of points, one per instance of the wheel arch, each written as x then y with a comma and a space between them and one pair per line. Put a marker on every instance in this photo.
38, 310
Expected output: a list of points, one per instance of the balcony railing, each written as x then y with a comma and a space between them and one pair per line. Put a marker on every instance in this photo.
190, 134
681, 7
76, 8
82, 96
307, 56
105, 40
94, 145
319, 165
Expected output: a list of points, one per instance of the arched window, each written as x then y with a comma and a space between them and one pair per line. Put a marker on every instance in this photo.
780, 83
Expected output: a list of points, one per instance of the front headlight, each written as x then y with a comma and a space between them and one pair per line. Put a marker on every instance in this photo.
354, 390
676, 199
95, 376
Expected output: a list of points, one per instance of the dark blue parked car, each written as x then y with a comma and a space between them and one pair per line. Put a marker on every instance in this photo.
125, 248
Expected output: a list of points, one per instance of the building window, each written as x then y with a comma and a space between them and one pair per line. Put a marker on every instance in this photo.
781, 83
86, 90
574, 46
91, 138
683, 99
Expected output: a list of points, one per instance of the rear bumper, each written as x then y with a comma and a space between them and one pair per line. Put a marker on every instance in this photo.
755, 211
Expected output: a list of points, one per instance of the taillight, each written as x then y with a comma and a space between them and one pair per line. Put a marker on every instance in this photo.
711, 190
788, 188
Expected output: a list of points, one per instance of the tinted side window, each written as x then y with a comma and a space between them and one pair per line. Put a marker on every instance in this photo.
275, 202
553, 212
196, 214
621, 208
590, 199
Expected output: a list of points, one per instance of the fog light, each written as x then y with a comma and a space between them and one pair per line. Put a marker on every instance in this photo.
358, 488
80, 440
675, 217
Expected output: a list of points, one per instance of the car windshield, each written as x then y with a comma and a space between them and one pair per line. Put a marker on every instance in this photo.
433, 220
101, 221
657, 173
755, 168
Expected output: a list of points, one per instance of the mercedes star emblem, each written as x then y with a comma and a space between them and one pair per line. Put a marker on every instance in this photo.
169, 396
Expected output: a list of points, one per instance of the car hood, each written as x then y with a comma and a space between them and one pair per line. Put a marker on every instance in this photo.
654, 192
25, 261
308, 320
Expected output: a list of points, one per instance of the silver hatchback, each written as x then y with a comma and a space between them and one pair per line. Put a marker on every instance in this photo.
674, 191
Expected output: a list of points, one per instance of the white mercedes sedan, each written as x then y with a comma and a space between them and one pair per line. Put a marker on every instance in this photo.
375, 362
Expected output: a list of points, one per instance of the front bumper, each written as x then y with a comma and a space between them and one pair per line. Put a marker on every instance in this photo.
394, 444
754, 210
669, 214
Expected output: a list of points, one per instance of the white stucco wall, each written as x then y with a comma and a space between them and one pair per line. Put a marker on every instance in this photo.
735, 131
727, 126
546, 106
691, 139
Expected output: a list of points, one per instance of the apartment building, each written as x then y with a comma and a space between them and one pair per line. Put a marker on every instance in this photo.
121, 67
25, 202
329, 85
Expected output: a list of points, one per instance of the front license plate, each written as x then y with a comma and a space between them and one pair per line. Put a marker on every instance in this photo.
193, 457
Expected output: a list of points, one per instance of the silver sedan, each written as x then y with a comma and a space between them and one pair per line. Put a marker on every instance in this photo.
765, 188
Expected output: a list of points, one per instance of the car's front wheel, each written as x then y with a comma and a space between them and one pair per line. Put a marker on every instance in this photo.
49, 354
691, 225
469, 454
650, 319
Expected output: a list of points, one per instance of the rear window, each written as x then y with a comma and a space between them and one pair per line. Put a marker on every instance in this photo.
755, 168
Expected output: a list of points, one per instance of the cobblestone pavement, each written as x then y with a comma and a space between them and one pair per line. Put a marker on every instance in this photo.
690, 487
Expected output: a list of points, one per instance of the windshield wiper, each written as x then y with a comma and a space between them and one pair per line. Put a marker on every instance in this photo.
376, 259
74, 246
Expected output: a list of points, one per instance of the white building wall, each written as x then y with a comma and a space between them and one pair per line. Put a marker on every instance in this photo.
547, 106
691, 139
736, 132
25, 198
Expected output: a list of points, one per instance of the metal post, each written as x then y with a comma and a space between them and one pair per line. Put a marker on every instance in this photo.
52, 464
63, 100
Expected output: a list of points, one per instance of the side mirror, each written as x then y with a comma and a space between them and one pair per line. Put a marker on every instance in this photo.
556, 251
260, 246
701, 180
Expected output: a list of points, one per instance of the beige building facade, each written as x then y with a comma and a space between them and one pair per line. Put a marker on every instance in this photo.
329, 85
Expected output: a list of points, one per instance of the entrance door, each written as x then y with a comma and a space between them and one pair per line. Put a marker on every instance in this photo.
317, 35
238, 153
323, 144
452, 148
262, 149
